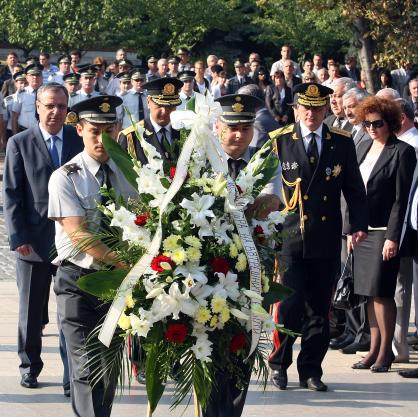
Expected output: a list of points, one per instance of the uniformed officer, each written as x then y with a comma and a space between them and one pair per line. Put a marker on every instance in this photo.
152, 68
19, 78
235, 130
186, 92
23, 110
64, 66
162, 99
74, 194
72, 83
87, 78
173, 66
124, 65
318, 163
124, 87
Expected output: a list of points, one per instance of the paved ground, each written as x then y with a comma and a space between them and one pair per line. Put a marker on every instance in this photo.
352, 393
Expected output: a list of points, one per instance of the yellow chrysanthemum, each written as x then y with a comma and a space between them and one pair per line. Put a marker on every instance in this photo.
193, 241
241, 265
193, 254
171, 242
233, 250
179, 256
265, 283
225, 315
213, 321
217, 304
124, 323
203, 315
237, 241
129, 301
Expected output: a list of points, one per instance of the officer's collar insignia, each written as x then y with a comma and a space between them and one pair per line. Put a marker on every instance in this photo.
169, 89
71, 168
237, 107
295, 136
337, 170
104, 107
328, 171
148, 132
312, 91
71, 117
328, 136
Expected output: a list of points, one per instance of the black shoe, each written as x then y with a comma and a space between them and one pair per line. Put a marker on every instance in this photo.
29, 381
360, 365
314, 383
380, 368
279, 379
355, 347
140, 377
337, 340
67, 392
409, 373
347, 341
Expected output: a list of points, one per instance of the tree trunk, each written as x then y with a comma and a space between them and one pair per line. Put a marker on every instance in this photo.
361, 28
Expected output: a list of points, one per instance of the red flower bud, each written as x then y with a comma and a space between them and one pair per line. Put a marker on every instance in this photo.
258, 230
141, 219
172, 172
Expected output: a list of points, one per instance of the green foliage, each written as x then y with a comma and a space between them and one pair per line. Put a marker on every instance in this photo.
102, 284
277, 292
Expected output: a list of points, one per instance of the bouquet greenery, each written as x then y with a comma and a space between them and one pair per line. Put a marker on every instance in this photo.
193, 302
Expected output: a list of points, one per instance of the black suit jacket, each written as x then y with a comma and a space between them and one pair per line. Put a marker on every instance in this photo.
329, 121
234, 85
128, 137
353, 74
276, 106
263, 124
389, 185
27, 169
337, 171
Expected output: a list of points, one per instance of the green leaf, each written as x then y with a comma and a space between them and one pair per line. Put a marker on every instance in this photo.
190, 105
277, 292
102, 284
121, 159
155, 373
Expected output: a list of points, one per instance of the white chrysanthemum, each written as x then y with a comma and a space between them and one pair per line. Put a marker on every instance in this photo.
202, 350
171, 242
198, 208
139, 326
149, 183
246, 181
193, 241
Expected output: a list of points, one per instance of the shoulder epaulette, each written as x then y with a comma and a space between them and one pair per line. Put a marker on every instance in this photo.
71, 168
131, 128
339, 131
281, 131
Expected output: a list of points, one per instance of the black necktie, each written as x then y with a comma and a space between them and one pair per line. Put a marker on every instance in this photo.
165, 143
339, 122
96, 86
234, 167
140, 108
312, 152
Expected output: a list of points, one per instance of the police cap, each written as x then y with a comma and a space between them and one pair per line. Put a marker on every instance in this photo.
99, 109
164, 91
311, 94
238, 108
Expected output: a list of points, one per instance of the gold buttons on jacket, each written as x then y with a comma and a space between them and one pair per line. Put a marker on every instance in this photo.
323, 218
305, 197
305, 217
325, 198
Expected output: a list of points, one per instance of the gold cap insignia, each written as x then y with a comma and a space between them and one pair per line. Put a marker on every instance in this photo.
71, 118
312, 91
104, 107
237, 107
169, 89
237, 98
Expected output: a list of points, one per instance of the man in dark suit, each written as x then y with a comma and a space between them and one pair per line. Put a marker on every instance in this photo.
240, 79
31, 157
264, 121
318, 163
7, 71
163, 98
350, 69
289, 74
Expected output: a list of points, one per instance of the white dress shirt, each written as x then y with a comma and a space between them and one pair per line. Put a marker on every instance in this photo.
307, 136
157, 129
47, 138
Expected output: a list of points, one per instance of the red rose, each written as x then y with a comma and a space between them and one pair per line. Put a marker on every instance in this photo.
219, 265
258, 230
172, 172
176, 332
237, 343
141, 219
156, 263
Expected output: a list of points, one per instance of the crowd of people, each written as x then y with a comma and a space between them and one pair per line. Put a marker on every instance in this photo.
347, 161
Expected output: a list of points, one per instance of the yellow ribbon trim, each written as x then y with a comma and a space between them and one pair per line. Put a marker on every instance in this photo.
295, 200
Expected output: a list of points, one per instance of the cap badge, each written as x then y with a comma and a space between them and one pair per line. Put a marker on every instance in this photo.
104, 107
71, 117
169, 89
237, 107
312, 91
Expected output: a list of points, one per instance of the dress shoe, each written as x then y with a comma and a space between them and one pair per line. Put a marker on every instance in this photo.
360, 365
67, 391
29, 381
355, 347
409, 373
279, 379
314, 383
384, 367
337, 340
347, 341
412, 340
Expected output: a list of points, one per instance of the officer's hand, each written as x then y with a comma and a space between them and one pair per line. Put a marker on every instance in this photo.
390, 249
24, 250
263, 206
358, 237
349, 243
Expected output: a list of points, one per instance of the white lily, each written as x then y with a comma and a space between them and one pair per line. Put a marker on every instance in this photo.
198, 208
252, 295
178, 302
227, 286
155, 293
239, 314
220, 230
202, 350
194, 270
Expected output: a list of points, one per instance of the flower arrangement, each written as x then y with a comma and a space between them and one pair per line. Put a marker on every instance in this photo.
191, 302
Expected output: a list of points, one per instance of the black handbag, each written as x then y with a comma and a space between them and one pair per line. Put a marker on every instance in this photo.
344, 297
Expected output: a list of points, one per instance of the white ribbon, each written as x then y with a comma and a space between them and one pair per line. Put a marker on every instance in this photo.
207, 111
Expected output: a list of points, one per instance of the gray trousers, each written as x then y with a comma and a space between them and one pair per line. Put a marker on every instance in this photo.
80, 313
403, 294
33, 282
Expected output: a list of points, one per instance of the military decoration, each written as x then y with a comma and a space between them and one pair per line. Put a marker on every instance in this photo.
328, 171
337, 170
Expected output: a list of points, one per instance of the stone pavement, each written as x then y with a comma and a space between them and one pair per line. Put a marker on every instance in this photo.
352, 393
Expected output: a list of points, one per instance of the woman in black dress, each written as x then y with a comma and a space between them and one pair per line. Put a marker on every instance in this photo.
387, 166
